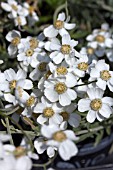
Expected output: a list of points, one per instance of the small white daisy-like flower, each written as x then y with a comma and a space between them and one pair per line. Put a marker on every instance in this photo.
62, 51
40, 146
62, 70
93, 53
29, 51
97, 106
32, 15
100, 38
69, 115
49, 112
13, 37
10, 6
80, 67
41, 68
26, 100
19, 155
60, 90
60, 27
103, 75
10, 81
26, 53
20, 21
62, 140
14, 8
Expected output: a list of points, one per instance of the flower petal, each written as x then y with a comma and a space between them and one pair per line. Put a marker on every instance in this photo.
50, 31
64, 99
69, 26
67, 149
105, 110
91, 116
61, 16
107, 100
41, 119
72, 94
84, 105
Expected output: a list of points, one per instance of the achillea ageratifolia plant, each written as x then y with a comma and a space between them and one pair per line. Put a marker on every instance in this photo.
55, 89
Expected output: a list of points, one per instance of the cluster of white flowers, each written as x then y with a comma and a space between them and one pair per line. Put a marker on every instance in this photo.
20, 13
100, 43
53, 82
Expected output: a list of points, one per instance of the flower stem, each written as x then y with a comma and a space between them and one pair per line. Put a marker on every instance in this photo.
86, 83
8, 130
45, 164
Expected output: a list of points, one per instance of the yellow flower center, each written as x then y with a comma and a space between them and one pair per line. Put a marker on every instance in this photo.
14, 7
90, 50
65, 115
96, 104
65, 49
61, 70
12, 84
83, 66
33, 43
59, 136
60, 88
105, 75
15, 41
48, 112
19, 151
31, 10
30, 101
59, 24
42, 66
100, 38
20, 91
29, 52
19, 21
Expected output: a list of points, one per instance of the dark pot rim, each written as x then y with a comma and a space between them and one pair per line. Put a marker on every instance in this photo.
91, 149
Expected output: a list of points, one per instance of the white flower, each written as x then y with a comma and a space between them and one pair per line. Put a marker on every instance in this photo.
10, 6
62, 140
100, 38
63, 70
32, 15
40, 146
80, 67
49, 112
14, 8
20, 21
29, 49
97, 106
11, 81
69, 115
20, 159
41, 68
60, 27
13, 37
103, 75
62, 51
26, 100
60, 90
